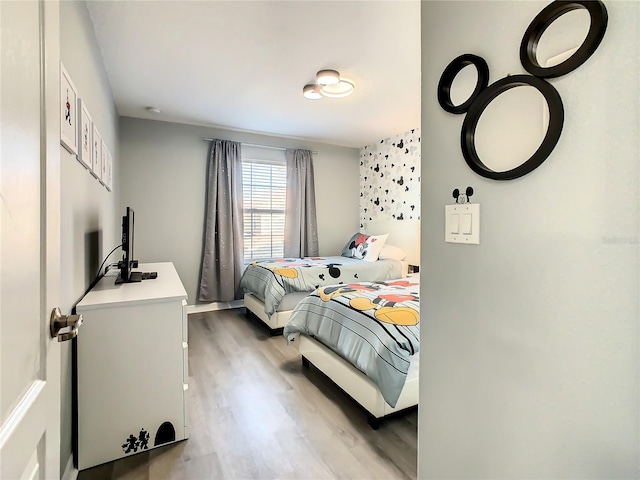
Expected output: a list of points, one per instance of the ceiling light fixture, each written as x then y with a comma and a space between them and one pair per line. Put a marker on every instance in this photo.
343, 88
327, 77
328, 84
312, 91
153, 110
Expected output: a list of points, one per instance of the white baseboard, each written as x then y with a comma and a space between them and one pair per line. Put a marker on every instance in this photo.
70, 472
213, 306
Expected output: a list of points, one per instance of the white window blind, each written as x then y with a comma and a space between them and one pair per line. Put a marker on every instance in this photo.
264, 187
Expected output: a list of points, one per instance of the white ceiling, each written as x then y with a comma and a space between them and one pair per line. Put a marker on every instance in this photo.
242, 64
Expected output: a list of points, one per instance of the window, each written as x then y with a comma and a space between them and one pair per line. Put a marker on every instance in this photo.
264, 187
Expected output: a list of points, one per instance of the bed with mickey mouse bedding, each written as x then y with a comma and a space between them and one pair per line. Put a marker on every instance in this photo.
365, 336
274, 286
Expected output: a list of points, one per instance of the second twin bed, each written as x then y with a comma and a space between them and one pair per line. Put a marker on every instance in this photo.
365, 337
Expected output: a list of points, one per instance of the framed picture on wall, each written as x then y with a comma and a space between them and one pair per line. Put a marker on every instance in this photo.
109, 182
85, 149
103, 164
68, 112
97, 152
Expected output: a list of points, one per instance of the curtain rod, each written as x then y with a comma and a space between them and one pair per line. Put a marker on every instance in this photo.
255, 145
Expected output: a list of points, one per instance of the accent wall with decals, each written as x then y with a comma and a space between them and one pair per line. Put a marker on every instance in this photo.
390, 179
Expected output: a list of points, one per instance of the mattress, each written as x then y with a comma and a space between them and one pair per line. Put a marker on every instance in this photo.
357, 385
288, 302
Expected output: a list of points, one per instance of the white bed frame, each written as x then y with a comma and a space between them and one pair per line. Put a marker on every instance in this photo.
355, 383
275, 322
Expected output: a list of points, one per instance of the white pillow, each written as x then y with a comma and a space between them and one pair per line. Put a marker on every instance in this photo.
391, 252
372, 247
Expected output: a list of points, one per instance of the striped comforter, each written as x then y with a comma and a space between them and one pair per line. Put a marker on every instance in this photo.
373, 325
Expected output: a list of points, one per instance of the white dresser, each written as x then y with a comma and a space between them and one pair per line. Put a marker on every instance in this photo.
132, 366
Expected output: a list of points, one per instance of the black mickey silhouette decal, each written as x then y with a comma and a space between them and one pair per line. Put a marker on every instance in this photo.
463, 197
483, 95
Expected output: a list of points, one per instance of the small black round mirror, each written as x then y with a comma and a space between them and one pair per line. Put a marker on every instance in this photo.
528, 56
449, 75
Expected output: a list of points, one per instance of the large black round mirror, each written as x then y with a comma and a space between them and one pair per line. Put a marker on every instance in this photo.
549, 140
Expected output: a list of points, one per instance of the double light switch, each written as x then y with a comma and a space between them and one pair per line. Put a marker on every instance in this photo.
462, 223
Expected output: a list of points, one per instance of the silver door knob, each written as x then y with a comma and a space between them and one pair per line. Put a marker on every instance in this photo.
59, 321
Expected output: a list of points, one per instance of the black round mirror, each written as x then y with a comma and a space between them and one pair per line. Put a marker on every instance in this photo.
449, 75
528, 55
549, 141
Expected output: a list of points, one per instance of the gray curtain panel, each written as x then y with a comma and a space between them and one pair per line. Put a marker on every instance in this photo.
223, 242
301, 224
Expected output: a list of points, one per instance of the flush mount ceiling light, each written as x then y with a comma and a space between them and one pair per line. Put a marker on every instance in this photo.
343, 88
328, 84
327, 77
312, 91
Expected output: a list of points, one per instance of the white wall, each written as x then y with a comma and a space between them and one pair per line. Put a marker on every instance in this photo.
530, 353
89, 225
163, 178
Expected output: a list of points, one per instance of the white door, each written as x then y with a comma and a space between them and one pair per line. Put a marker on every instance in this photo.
29, 239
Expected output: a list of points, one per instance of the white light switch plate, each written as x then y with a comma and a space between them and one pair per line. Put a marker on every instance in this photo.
456, 223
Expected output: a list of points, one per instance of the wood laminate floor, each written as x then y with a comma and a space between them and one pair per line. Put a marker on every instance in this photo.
256, 413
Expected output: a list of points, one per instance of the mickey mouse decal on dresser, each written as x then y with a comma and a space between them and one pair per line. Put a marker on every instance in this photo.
484, 93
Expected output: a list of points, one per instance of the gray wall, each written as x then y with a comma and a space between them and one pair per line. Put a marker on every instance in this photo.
89, 225
529, 364
163, 178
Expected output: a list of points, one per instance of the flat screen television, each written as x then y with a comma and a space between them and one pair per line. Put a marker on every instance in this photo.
128, 262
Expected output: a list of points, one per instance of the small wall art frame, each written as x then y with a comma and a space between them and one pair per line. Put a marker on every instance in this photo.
85, 147
109, 183
68, 112
97, 153
103, 164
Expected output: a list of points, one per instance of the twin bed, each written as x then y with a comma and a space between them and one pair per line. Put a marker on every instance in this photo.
365, 336
355, 317
274, 287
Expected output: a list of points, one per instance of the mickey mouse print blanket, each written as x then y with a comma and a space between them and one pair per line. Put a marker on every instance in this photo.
272, 279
